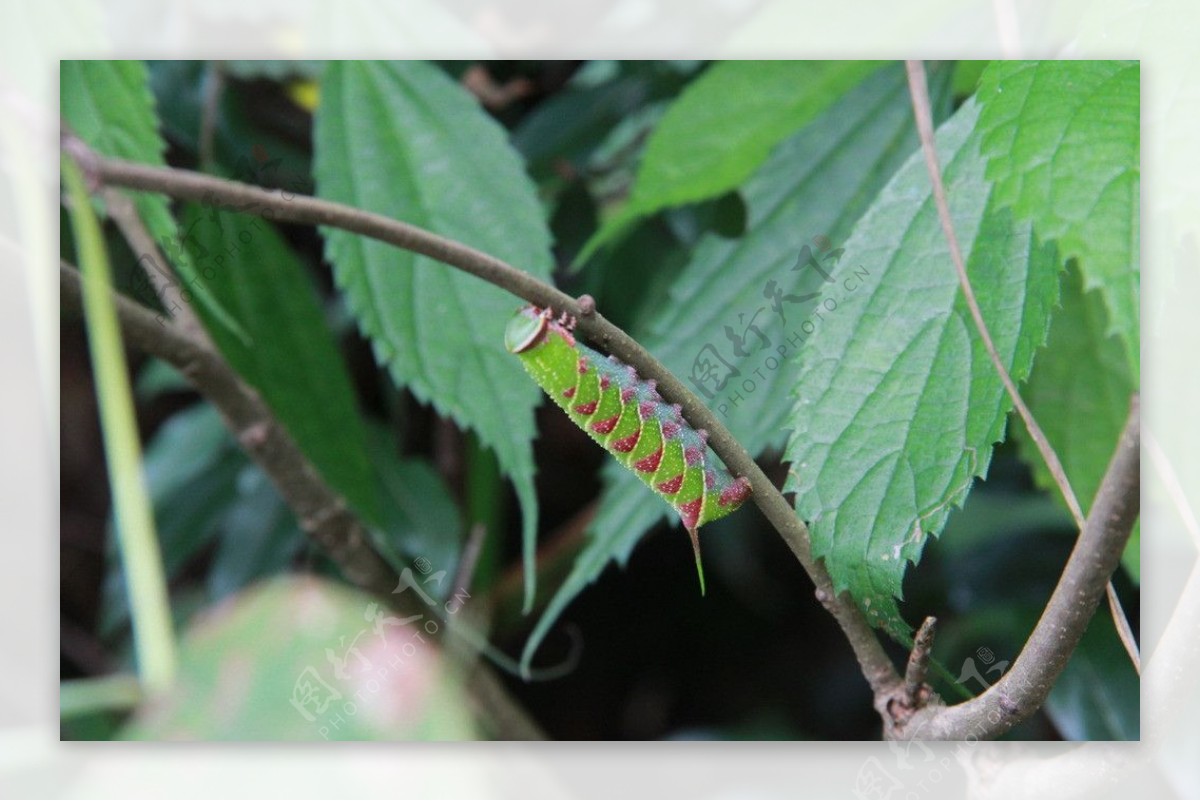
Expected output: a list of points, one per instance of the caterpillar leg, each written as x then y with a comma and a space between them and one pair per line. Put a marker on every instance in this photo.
692, 532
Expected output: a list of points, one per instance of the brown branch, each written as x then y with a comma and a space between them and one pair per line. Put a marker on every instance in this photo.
149, 257
322, 513
918, 661
1023, 690
876, 666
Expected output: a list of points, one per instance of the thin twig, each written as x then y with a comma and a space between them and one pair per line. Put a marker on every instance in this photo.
924, 117
209, 111
157, 270
876, 666
918, 661
470, 557
1124, 630
1024, 688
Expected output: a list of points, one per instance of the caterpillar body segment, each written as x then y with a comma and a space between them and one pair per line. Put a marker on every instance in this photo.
627, 416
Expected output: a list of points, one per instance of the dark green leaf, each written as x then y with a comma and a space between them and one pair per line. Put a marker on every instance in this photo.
1079, 393
1096, 697
817, 183
898, 405
403, 140
108, 104
1063, 145
290, 356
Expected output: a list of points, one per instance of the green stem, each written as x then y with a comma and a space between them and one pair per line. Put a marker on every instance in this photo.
78, 697
151, 612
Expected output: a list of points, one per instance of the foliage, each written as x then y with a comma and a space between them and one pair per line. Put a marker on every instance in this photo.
766, 229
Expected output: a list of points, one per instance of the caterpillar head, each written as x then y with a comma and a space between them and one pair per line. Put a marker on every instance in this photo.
528, 328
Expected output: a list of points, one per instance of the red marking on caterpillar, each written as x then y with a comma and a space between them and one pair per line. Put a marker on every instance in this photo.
649, 464
627, 394
569, 393
626, 444
604, 382
586, 409
671, 429
645, 410
689, 513
583, 365
606, 426
671, 485
693, 456
735, 493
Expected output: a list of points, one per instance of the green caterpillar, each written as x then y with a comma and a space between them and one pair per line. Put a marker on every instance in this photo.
628, 417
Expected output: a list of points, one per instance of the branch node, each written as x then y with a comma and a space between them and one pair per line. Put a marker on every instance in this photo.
255, 435
587, 305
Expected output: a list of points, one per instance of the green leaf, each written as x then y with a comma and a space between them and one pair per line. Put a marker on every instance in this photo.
898, 405
289, 355
403, 140
1096, 697
1063, 143
1079, 393
108, 104
260, 667
818, 182
723, 127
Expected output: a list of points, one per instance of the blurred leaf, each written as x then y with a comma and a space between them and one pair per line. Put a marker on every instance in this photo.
108, 104
259, 536
723, 127
1096, 697
274, 69
159, 378
402, 140
898, 405
191, 467
1063, 145
569, 125
818, 182
1079, 393
421, 519
262, 667
290, 356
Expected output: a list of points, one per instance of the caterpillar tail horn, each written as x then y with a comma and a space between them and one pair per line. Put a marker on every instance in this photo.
696, 548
